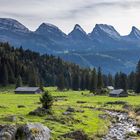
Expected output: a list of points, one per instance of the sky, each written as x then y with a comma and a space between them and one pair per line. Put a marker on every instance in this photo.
122, 14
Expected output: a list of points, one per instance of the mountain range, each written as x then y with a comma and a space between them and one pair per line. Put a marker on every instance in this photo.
103, 47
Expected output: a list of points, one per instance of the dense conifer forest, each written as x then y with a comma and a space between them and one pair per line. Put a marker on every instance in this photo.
24, 67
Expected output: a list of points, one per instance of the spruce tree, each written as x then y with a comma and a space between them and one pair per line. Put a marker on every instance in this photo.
131, 81
87, 80
41, 85
105, 80
117, 81
82, 82
46, 100
100, 79
33, 78
137, 89
123, 81
1, 72
5, 75
11, 77
19, 82
75, 81
61, 82
93, 83
110, 80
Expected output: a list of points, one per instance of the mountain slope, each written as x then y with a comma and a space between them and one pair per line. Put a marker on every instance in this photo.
134, 34
80, 38
78, 33
49, 30
104, 31
88, 50
12, 25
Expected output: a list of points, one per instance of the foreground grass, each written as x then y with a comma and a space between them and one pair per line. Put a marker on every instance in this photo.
88, 121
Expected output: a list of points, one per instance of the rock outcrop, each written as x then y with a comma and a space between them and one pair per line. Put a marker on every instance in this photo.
8, 132
31, 131
76, 135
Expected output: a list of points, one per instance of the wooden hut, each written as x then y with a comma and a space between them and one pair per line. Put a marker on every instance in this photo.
28, 90
118, 93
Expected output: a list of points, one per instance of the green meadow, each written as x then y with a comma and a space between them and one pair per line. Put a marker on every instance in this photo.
86, 117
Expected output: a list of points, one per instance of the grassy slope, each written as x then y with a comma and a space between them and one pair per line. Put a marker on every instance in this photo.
58, 123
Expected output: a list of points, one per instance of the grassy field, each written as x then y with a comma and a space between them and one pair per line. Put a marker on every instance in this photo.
88, 121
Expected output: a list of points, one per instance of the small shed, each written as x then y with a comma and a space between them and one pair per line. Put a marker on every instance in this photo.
110, 88
118, 93
28, 90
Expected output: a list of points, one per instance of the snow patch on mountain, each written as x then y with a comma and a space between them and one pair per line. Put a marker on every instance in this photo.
12, 25
48, 26
78, 34
49, 29
135, 33
105, 30
79, 28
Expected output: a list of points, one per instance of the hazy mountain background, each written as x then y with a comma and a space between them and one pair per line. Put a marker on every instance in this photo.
103, 47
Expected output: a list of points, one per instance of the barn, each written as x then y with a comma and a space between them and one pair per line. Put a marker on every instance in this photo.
118, 93
28, 90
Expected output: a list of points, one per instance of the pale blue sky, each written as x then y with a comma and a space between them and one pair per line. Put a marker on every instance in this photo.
122, 14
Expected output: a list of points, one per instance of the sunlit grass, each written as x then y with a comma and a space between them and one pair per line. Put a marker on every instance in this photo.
88, 121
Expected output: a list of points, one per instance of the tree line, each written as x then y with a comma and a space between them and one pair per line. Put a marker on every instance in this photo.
25, 67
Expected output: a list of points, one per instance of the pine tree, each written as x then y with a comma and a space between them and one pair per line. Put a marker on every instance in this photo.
100, 79
11, 77
75, 81
87, 80
117, 81
46, 100
137, 89
123, 81
1, 72
5, 75
93, 83
131, 81
82, 82
110, 80
105, 80
61, 82
19, 82
33, 78
41, 85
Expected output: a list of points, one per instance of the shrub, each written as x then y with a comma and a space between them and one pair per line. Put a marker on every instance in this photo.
117, 103
21, 106
40, 112
77, 135
46, 100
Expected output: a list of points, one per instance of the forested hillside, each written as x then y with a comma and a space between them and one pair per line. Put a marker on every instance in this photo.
35, 69
32, 69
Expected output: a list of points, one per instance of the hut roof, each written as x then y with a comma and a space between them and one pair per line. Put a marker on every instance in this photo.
118, 91
27, 89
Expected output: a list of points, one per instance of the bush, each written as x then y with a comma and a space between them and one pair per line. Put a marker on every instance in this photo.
117, 103
46, 100
102, 91
77, 135
40, 112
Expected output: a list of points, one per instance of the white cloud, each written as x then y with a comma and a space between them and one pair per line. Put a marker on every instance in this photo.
66, 13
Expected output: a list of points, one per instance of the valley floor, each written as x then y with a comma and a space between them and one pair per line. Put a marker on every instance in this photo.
86, 115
